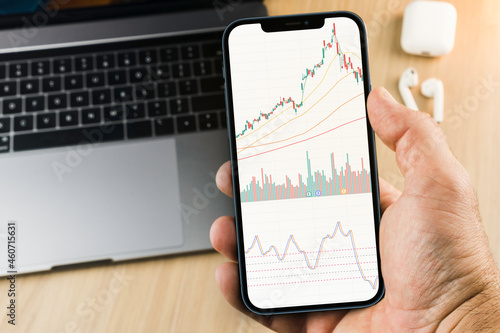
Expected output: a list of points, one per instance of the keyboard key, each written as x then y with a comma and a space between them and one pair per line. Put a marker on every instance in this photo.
102, 96
148, 57
138, 75
113, 113
4, 125
51, 84
126, 59
40, 68
122, 94
158, 108
8, 89
91, 116
186, 124
4, 144
57, 101
169, 54
140, 129
23, 123
30, 86
62, 66
84, 63
135, 111
12, 106
95, 80
117, 77
188, 87
202, 68
190, 52
73, 82
160, 73
68, 118
167, 89
46, 120
80, 98
209, 102
164, 126
105, 61
208, 121
35, 103
62, 138
181, 70
211, 50
212, 84
179, 105
144, 92
3, 72
18, 70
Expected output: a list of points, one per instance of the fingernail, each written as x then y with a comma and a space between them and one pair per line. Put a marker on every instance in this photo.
217, 277
387, 95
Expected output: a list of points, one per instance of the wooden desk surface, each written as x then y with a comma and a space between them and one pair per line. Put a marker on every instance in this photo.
180, 294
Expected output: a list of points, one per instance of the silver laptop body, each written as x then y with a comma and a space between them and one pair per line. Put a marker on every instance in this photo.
115, 200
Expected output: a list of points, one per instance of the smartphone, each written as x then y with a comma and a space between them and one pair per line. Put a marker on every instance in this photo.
303, 161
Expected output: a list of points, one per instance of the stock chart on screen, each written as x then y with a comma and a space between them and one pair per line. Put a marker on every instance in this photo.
304, 165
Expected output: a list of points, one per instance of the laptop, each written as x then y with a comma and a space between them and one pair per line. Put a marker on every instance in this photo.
112, 128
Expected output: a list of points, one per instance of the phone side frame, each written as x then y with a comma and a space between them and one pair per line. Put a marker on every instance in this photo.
235, 177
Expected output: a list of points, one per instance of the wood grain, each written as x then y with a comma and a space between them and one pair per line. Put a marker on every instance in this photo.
179, 294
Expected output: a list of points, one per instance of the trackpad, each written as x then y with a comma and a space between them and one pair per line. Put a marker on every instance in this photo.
118, 199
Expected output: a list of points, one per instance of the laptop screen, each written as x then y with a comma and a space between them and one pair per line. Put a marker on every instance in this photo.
20, 13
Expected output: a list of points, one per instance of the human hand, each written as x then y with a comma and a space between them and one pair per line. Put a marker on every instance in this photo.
438, 271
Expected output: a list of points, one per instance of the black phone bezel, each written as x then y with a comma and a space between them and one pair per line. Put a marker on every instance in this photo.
289, 23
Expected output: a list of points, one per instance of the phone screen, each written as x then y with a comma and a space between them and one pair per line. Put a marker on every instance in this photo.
305, 182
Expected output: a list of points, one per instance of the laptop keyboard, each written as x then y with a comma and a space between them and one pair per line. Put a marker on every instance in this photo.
107, 92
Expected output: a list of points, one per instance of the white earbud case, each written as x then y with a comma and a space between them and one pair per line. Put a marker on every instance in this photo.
429, 28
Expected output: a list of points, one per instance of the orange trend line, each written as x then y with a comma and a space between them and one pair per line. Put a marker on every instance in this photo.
327, 69
297, 116
270, 143
294, 143
275, 117
312, 267
291, 144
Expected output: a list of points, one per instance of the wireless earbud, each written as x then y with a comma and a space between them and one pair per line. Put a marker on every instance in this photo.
433, 88
408, 79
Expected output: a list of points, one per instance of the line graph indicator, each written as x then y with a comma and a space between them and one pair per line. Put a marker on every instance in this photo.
314, 263
345, 64
314, 184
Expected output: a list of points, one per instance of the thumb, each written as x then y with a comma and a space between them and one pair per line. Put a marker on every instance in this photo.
417, 140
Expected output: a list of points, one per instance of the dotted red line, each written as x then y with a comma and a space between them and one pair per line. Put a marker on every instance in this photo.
302, 260
294, 282
323, 251
281, 269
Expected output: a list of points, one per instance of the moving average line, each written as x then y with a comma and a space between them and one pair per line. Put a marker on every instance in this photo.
304, 99
296, 135
250, 145
291, 239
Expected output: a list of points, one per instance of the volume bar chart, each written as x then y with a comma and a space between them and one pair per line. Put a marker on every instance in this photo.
314, 184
